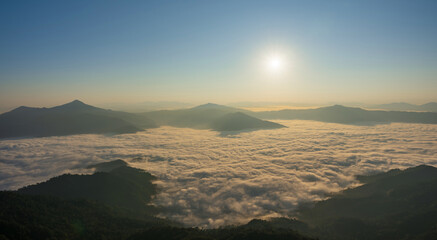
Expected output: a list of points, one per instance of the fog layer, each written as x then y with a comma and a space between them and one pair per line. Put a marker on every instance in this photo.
208, 179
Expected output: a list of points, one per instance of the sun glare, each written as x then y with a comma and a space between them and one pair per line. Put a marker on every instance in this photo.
274, 63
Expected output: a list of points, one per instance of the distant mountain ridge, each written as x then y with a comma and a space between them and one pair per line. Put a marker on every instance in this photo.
349, 115
402, 106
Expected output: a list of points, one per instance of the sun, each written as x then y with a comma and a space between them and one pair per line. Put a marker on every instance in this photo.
274, 63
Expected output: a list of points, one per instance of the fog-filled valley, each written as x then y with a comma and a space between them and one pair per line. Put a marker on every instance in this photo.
207, 179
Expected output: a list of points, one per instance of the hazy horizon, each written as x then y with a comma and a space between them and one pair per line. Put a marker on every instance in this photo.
197, 52
144, 106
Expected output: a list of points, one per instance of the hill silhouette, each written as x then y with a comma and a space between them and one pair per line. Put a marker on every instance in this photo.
238, 121
211, 116
349, 115
75, 105
402, 106
72, 118
124, 187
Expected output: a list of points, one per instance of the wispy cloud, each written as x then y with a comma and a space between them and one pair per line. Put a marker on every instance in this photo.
209, 180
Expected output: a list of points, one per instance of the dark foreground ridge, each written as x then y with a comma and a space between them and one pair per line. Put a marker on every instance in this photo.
398, 204
112, 203
27, 217
123, 187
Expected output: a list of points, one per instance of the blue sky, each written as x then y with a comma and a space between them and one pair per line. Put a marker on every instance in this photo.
210, 51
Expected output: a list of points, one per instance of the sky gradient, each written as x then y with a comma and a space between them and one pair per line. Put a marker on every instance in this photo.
52, 52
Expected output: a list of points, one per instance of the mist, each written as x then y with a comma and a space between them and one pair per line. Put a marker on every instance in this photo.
210, 180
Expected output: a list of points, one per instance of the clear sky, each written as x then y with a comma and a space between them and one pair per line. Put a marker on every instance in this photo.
52, 52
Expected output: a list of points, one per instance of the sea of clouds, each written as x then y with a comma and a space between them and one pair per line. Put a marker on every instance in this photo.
208, 179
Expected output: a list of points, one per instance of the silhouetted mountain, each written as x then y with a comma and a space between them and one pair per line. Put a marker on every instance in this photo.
216, 106
401, 106
393, 205
238, 121
71, 118
210, 116
429, 107
349, 115
75, 105
123, 187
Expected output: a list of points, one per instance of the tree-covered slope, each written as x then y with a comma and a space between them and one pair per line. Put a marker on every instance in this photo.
25, 217
126, 188
393, 205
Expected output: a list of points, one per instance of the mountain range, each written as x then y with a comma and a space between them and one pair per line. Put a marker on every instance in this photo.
349, 115
402, 106
79, 118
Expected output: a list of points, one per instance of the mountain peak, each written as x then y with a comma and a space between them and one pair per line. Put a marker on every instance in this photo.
341, 108
210, 105
75, 105
336, 106
429, 104
76, 102
215, 106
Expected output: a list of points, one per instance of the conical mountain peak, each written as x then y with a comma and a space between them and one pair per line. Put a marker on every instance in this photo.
75, 105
